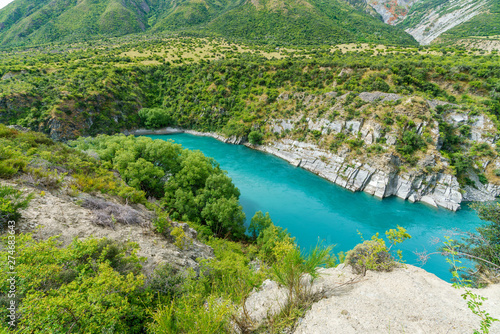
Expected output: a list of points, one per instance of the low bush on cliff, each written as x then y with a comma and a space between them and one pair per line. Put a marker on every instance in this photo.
374, 254
43, 162
91, 285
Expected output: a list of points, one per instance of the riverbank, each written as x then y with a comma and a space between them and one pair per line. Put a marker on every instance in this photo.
384, 178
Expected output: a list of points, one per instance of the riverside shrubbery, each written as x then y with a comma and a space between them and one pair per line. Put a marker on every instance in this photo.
189, 185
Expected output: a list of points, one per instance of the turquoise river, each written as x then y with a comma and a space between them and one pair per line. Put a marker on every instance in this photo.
313, 209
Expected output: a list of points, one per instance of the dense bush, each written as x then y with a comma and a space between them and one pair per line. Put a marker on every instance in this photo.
154, 117
255, 138
409, 143
191, 186
42, 162
374, 254
90, 285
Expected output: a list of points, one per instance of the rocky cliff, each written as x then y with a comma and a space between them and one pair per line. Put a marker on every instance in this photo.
57, 214
435, 21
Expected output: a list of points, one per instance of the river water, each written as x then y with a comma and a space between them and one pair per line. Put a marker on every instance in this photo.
314, 209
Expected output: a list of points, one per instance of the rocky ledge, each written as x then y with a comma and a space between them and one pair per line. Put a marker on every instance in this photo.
84, 216
168, 131
406, 300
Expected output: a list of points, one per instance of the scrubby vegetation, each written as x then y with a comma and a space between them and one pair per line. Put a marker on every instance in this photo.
11, 201
40, 161
374, 254
236, 90
190, 186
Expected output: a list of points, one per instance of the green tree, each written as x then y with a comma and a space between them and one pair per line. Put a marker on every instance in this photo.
225, 216
154, 117
482, 246
259, 223
255, 138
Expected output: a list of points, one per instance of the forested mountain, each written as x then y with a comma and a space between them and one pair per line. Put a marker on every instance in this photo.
27, 22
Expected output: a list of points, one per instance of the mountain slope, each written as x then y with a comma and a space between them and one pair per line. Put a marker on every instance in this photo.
486, 24
25, 22
426, 20
305, 22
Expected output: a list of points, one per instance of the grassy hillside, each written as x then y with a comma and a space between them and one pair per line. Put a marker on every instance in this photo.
24, 22
280, 22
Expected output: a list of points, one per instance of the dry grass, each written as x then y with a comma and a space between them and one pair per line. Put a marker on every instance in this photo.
108, 213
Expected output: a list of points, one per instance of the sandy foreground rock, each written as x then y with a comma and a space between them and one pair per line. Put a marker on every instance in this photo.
406, 300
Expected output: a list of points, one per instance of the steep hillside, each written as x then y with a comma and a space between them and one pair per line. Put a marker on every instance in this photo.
485, 24
426, 20
302, 22
24, 21
305, 22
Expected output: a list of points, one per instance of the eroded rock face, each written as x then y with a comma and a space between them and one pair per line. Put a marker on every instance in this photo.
444, 17
381, 178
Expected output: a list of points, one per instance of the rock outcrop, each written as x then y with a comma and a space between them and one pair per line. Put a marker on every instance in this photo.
406, 300
56, 214
427, 21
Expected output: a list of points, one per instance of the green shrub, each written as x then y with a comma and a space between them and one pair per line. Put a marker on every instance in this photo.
88, 286
410, 142
259, 223
154, 117
255, 138
370, 255
11, 201
482, 178
11, 161
374, 254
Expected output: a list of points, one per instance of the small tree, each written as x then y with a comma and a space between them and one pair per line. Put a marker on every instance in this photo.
259, 223
255, 138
